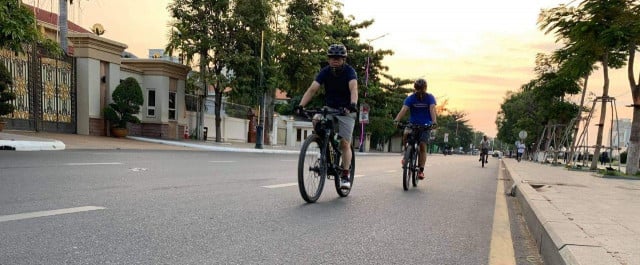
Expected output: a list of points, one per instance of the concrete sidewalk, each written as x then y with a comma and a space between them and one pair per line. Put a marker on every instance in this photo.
578, 217
575, 217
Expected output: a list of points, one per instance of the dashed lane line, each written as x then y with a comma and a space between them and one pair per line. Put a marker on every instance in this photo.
21, 216
93, 164
290, 184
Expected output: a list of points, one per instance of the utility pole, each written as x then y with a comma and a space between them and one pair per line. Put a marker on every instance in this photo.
363, 134
261, 111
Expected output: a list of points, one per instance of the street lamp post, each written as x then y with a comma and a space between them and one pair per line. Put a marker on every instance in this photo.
366, 88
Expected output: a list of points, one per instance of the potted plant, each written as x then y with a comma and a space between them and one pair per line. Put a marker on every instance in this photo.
127, 99
5, 95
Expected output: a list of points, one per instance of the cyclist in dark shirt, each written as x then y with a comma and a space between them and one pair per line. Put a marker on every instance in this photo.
340, 84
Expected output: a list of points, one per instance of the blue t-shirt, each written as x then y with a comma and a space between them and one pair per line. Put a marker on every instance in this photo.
336, 86
419, 109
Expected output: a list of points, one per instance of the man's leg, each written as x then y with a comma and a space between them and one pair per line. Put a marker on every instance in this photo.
345, 131
423, 155
346, 154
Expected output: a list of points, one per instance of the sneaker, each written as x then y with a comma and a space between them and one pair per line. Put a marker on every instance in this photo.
344, 183
479, 159
421, 175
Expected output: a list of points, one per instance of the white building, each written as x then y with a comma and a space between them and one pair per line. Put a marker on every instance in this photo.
621, 134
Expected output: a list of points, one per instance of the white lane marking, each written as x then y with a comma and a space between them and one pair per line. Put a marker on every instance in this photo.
222, 161
390, 171
20, 216
281, 185
289, 160
93, 164
293, 184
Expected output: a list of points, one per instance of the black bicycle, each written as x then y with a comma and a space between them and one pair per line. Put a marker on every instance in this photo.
410, 167
320, 157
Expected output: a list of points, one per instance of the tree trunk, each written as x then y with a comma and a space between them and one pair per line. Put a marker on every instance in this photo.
603, 112
578, 120
62, 24
633, 150
218, 106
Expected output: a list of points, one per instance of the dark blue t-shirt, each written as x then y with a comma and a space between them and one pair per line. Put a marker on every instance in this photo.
336, 86
419, 109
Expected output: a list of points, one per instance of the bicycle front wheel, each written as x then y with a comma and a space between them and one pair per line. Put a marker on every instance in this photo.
352, 173
312, 169
407, 167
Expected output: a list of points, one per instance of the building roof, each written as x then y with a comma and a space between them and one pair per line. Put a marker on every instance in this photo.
52, 19
281, 95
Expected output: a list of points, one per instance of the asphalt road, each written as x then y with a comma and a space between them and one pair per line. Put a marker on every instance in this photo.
195, 207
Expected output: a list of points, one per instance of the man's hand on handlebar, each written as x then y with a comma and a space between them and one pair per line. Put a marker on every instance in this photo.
352, 108
298, 110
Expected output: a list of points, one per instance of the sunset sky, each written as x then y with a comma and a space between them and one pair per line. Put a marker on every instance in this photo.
470, 52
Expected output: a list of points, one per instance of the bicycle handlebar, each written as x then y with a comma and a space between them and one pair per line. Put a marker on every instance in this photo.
324, 111
403, 125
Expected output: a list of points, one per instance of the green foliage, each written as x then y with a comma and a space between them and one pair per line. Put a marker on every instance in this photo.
460, 133
127, 99
18, 27
5, 95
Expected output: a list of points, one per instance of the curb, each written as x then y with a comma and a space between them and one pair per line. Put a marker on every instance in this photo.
559, 240
18, 145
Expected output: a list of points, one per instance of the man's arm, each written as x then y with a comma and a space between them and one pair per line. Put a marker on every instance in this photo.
353, 88
432, 111
311, 91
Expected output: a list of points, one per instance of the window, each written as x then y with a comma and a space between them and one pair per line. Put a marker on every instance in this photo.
172, 105
151, 103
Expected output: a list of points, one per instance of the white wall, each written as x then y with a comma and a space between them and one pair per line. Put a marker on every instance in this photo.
161, 85
88, 87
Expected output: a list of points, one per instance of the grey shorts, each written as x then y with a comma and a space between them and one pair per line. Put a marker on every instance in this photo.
345, 124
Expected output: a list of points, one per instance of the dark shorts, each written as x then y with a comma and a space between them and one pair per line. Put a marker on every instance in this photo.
424, 135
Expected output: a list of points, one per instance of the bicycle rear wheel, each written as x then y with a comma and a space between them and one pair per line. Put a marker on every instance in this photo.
352, 173
312, 169
414, 166
483, 159
407, 168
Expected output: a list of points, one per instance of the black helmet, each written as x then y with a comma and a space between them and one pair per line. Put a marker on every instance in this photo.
420, 84
337, 50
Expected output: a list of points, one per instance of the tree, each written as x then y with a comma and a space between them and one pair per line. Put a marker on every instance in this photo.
593, 29
127, 99
17, 26
631, 24
205, 30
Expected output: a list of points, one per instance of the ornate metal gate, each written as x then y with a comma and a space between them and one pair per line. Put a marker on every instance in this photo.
45, 88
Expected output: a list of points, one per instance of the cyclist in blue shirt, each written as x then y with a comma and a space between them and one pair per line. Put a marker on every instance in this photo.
422, 108
341, 92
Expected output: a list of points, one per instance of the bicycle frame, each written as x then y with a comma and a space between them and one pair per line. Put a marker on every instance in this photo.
328, 163
412, 153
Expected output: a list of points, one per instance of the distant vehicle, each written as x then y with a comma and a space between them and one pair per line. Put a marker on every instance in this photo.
496, 154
